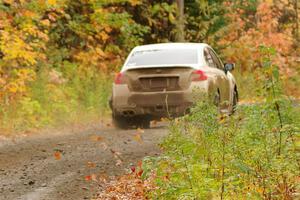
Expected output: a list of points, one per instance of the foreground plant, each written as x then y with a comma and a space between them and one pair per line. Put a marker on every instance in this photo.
250, 155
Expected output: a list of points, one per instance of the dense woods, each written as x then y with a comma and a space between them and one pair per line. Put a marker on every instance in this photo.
57, 56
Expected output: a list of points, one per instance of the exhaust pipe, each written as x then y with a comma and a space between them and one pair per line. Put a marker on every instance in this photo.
128, 113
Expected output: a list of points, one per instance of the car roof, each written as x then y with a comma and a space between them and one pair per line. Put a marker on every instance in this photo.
170, 46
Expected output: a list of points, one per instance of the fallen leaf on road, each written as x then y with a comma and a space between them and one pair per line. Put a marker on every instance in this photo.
91, 165
103, 177
139, 130
88, 178
104, 146
154, 122
119, 162
94, 177
128, 186
138, 138
57, 155
116, 153
132, 169
96, 138
85, 188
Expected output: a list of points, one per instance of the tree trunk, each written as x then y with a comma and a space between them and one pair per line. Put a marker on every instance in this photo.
180, 25
296, 21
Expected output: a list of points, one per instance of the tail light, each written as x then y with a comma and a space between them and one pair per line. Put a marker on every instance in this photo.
119, 78
198, 75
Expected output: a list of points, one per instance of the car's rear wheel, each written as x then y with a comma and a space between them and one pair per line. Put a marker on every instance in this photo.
131, 122
120, 122
142, 122
217, 99
235, 100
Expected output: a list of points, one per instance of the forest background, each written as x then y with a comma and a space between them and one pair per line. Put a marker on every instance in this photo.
58, 57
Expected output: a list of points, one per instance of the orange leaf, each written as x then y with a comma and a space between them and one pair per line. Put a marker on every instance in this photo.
91, 164
88, 178
96, 138
57, 155
140, 172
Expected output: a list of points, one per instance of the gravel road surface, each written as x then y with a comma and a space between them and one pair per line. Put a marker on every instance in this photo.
58, 164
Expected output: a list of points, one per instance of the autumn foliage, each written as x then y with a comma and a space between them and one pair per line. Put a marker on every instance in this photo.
263, 27
57, 57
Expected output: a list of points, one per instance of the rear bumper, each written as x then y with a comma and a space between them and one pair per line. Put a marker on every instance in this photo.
154, 104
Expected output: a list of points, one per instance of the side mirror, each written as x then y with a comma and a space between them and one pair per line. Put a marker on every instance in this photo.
229, 67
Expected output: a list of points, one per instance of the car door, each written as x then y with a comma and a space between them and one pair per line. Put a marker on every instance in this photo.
222, 81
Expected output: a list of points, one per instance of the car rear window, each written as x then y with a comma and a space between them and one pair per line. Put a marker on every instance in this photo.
163, 57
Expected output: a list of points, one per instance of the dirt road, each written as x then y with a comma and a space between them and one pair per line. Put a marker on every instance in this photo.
55, 165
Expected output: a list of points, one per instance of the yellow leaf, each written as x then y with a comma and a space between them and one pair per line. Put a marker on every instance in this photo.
100, 52
269, 1
13, 87
29, 14
8, 1
138, 138
171, 18
52, 2
139, 130
103, 35
45, 22
107, 29
135, 2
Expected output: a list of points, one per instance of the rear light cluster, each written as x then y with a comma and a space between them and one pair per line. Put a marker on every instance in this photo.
119, 78
198, 75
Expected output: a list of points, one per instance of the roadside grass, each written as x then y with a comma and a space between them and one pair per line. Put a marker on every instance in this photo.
249, 85
65, 98
253, 154
245, 156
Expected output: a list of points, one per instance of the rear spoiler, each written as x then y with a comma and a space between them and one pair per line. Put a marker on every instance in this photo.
193, 66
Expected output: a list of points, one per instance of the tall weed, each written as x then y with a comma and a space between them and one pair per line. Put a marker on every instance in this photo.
250, 155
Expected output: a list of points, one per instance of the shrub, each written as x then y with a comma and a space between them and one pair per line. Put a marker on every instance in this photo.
250, 155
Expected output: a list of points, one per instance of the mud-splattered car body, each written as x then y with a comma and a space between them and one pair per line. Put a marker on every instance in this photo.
159, 81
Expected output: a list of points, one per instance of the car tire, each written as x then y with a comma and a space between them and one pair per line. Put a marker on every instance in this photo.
120, 122
217, 99
145, 123
235, 100
141, 122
